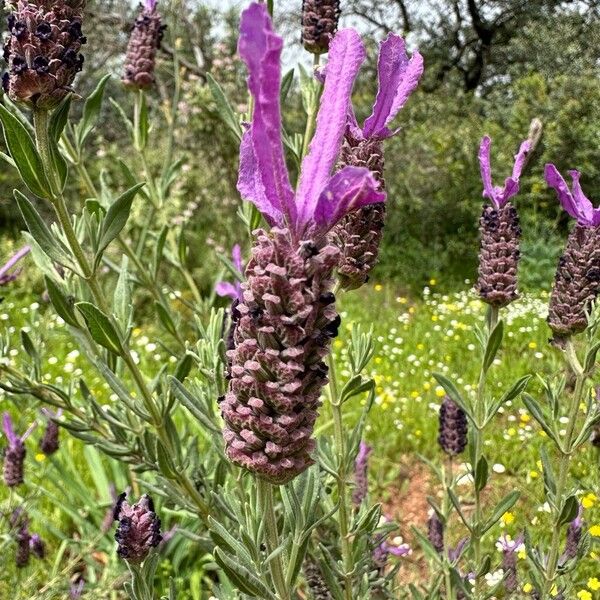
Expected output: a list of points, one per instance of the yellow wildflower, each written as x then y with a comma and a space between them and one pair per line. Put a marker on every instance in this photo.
532, 345
440, 392
378, 287
584, 595
589, 500
594, 584
508, 518
595, 530
527, 588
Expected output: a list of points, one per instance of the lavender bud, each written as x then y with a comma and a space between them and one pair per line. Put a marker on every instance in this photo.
574, 533
37, 546
49, 443
23, 548
315, 582
498, 255
361, 483
14, 460
139, 528
277, 368
576, 283
358, 235
144, 41
452, 427
42, 50
435, 532
319, 24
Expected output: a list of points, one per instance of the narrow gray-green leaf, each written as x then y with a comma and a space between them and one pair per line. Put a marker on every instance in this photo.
91, 111
100, 327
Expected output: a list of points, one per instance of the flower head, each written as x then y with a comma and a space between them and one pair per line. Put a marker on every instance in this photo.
497, 195
14, 455
575, 202
360, 473
232, 290
49, 443
398, 76
139, 528
321, 200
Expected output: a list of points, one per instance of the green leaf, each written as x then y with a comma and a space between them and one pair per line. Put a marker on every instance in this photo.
454, 394
590, 358
548, 474
40, 232
116, 218
224, 109
493, 345
59, 118
536, 412
25, 155
286, 85
192, 404
141, 125
122, 298
569, 511
100, 327
503, 506
62, 305
481, 474
91, 111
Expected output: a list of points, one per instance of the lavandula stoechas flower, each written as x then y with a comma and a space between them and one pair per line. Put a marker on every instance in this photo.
43, 50
14, 453
577, 279
361, 481
288, 316
5, 275
452, 427
139, 528
315, 581
49, 443
574, 533
37, 546
359, 235
23, 539
435, 532
383, 548
500, 231
509, 549
319, 24
144, 41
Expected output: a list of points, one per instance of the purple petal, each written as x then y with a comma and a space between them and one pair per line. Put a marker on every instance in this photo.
260, 48
582, 203
347, 190
398, 76
14, 259
150, 5
7, 426
555, 180
250, 185
226, 290
236, 257
510, 189
520, 159
28, 432
346, 54
486, 170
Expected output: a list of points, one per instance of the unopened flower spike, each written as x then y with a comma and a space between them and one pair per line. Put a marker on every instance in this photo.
49, 443
144, 42
453, 427
499, 230
359, 235
43, 51
577, 279
574, 534
319, 24
361, 481
288, 316
139, 528
14, 453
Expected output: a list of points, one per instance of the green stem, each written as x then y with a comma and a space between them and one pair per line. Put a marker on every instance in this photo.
340, 442
265, 495
40, 118
566, 453
447, 477
312, 110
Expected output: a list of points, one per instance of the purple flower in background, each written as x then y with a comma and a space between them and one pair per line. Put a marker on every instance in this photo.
232, 290
49, 443
383, 549
575, 202
320, 200
14, 454
361, 481
497, 195
76, 590
574, 532
397, 76
509, 548
37, 546
5, 276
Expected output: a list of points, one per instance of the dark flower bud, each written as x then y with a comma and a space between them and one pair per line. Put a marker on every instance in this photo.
49, 443
144, 41
42, 51
452, 427
361, 482
37, 546
319, 24
14, 453
435, 532
139, 528
498, 255
576, 283
315, 581
22, 554
509, 561
574, 533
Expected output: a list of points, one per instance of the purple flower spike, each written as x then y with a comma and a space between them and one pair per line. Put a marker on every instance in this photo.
360, 473
226, 289
398, 76
575, 203
320, 200
5, 275
14, 455
499, 196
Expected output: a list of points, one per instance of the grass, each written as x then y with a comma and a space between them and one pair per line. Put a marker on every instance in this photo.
415, 337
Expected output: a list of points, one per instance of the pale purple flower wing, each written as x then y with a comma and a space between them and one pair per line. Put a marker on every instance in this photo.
582, 203
7, 426
349, 189
250, 184
346, 54
486, 169
226, 290
555, 180
510, 189
236, 257
260, 48
398, 76
520, 159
